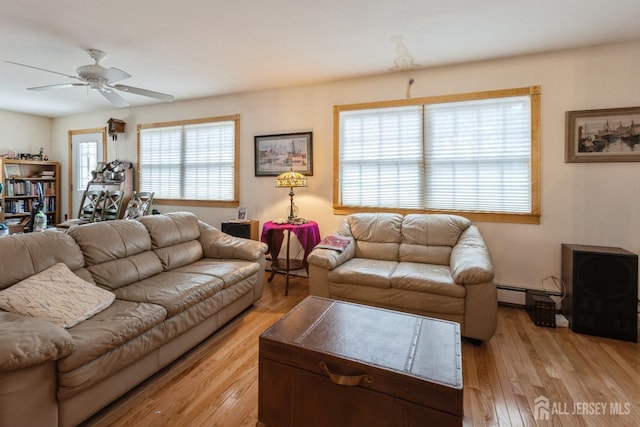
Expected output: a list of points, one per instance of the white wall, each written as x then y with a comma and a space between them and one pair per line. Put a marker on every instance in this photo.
24, 133
581, 203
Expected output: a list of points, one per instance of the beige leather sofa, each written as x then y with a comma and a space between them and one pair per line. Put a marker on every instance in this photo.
429, 264
176, 280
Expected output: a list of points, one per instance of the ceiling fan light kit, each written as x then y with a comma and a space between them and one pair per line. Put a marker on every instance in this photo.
100, 79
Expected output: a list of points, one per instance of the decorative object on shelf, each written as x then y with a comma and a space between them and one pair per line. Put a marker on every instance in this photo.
609, 135
11, 170
291, 179
242, 214
275, 154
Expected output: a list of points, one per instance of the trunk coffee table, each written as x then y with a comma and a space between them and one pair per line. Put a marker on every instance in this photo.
336, 364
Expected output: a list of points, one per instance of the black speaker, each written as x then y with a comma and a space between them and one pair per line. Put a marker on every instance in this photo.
602, 291
247, 230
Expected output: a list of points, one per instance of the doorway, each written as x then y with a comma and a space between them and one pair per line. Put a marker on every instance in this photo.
87, 147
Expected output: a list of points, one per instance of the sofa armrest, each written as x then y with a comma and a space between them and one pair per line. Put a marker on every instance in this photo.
329, 258
26, 341
470, 259
217, 244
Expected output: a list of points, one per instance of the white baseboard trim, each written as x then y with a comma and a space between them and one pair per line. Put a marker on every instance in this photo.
515, 295
511, 295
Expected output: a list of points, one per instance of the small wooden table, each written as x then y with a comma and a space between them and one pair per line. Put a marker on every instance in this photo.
308, 235
333, 363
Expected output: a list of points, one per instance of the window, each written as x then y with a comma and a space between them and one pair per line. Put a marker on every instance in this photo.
87, 161
192, 161
472, 154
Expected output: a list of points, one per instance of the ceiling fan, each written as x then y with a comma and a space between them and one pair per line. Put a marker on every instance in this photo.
101, 79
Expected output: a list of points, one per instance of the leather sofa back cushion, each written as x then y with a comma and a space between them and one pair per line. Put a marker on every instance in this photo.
171, 229
429, 238
174, 238
180, 254
110, 240
24, 255
124, 271
377, 235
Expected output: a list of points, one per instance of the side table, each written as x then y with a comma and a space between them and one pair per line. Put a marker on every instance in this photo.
273, 235
245, 229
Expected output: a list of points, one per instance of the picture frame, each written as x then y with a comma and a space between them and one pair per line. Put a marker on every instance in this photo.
11, 170
279, 153
605, 135
242, 214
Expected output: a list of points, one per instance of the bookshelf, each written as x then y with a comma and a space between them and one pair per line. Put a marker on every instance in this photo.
20, 181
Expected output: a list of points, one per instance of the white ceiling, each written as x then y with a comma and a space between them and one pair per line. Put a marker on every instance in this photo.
201, 48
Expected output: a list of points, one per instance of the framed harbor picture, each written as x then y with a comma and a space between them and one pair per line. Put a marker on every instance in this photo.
275, 154
609, 135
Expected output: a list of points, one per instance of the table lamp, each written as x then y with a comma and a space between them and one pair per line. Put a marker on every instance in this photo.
291, 179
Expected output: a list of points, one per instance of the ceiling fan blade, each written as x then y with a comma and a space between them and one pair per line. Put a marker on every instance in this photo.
43, 69
113, 97
58, 86
114, 75
144, 92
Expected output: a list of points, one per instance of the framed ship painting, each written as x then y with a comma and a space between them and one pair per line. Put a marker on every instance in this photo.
610, 135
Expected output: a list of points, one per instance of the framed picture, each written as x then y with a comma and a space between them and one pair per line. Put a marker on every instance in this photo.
11, 170
609, 135
242, 214
279, 153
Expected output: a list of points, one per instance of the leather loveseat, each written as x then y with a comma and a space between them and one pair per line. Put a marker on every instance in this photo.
434, 265
175, 280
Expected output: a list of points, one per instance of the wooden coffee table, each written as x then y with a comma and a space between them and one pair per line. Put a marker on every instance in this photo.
333, 363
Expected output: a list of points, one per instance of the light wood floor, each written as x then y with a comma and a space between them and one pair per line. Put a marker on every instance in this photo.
216, 384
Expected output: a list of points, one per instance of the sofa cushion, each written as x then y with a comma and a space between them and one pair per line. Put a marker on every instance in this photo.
366, 272
56, 295
426, 304
124, 271
428, 238
174, 291
110, 240
426, 278
433, 229
109, 329
229, 271
377, 235
24, 255
172, 228
179, 255
174, 238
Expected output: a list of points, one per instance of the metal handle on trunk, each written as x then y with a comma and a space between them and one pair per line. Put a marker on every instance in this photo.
349, 380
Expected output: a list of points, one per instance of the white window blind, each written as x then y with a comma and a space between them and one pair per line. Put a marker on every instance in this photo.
190, 161
381, 157
478, 155
472, 155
